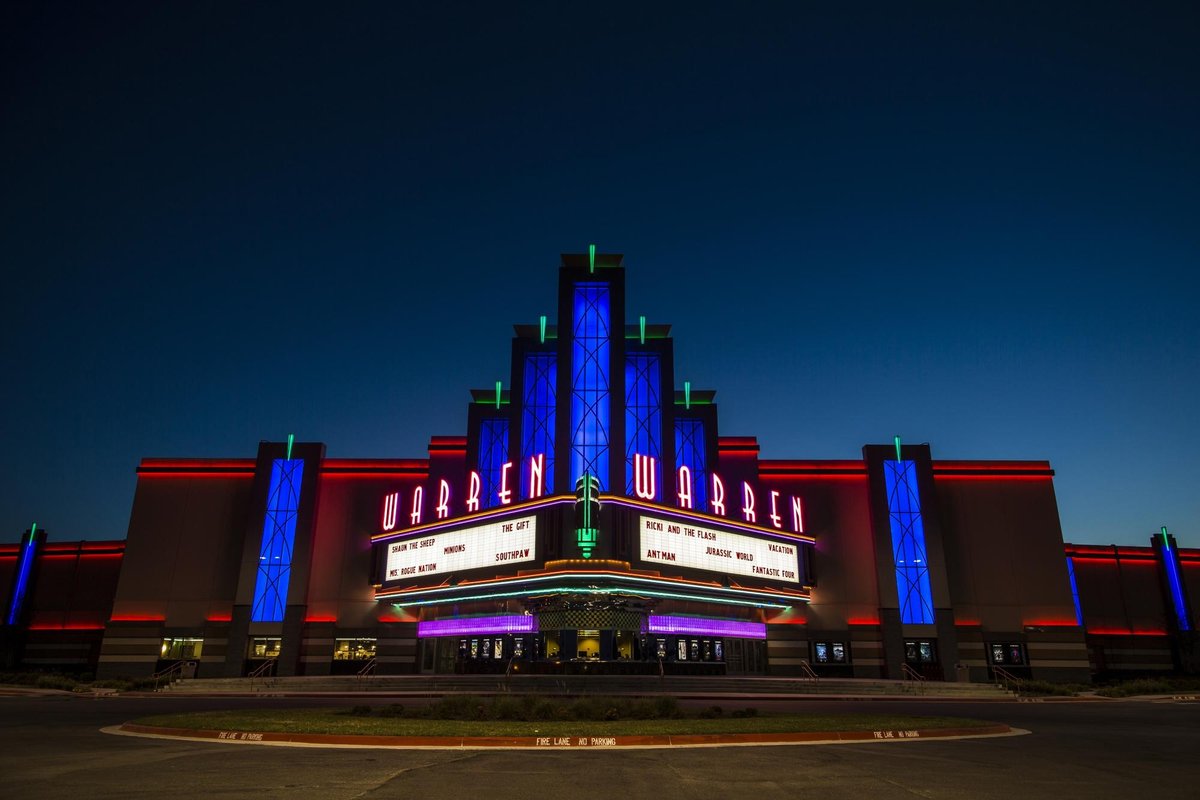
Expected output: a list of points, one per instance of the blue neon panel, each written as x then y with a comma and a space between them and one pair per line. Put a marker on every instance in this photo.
908, 542
1074, 591
643, 414
28, 552
537, 416
690, 453
1176, 586
493, 452
279, 536
590, 386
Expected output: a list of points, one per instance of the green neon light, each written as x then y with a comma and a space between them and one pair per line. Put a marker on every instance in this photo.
642, 329
291, 438
687, 395
591, 258
588, 535
33, 529
497, 394
1166, 543
897, 440
542, 325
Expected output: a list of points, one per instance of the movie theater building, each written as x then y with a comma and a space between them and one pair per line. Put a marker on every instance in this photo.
594, 518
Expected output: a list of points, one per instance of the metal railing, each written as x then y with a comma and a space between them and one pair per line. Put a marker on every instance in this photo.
1006, 679
911, 674
810, 674
263, 671
368, 670
168, 675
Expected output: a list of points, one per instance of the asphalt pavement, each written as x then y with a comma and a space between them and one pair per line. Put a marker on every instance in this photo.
52, 747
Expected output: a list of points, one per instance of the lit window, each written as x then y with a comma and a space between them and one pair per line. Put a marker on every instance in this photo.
353, 649
265, 647
181, 648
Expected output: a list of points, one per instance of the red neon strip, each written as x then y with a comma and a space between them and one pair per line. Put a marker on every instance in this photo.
86, 551
1125, 632
993, 478
135, 618
74, 626
249, 474
388, 475
207, 463
320, 619
1113, 560
1052, 623
862, 621
990, 466
728, 452
967, 623
219, 618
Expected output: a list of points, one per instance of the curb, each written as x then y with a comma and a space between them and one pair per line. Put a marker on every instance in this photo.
559, 742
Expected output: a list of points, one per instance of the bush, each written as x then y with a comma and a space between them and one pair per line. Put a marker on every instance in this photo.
393, 710
360, 711
666, 708
55, 682
1049, 689
745, 712
1140, 686
712, 712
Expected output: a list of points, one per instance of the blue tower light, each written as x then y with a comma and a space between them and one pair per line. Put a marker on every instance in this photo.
908, 541
24, 568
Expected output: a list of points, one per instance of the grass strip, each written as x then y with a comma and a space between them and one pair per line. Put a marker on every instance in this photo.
342, 722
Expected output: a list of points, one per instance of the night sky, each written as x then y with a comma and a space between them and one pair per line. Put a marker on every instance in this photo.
980, 229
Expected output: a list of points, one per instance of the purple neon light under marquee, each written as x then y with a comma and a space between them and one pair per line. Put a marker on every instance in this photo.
662, 623
461, 626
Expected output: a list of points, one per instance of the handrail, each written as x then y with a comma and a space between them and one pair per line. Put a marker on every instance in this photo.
809, 672
1011, 682
262, 670
911, 674
169, 674
368, 670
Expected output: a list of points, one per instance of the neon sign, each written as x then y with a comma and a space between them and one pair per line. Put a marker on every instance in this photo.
682, 544
645, 487
494, 544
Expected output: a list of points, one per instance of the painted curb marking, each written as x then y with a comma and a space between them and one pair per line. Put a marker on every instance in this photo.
559, 742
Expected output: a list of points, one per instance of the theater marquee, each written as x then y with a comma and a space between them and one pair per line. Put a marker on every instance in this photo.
496, 544
695, 547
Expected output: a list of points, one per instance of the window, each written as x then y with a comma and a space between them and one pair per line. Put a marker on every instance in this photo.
1011, 654
830, 653
920, 652
265, 647
181, 648
353, 649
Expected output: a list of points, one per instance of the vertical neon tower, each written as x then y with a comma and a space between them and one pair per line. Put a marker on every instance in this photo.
1074, 591
278, 539
590, 385
643, 413
908, 540
538, 413
689, 452
493, 452
24, 568
1174, 582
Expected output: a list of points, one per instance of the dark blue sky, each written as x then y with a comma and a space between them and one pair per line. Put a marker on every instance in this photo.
222, 223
